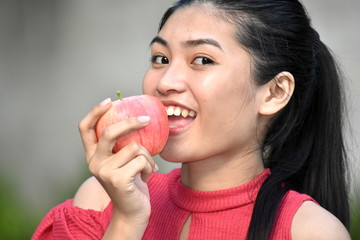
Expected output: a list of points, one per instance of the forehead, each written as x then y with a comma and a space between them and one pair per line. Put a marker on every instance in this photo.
197, 22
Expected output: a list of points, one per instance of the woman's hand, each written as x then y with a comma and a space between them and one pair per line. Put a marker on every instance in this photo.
124, 174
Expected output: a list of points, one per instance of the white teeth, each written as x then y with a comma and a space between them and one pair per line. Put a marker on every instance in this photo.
177, 111
192, 114
185, 113
170, 111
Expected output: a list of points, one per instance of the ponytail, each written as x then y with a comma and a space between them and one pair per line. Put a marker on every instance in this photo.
326, 176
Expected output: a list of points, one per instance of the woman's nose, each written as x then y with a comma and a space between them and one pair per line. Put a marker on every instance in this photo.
173, 80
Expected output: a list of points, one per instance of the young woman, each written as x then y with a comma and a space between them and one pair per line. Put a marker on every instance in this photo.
262, 156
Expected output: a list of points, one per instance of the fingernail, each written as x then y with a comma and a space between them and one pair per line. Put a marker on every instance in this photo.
156, 168
106, 101
143, 119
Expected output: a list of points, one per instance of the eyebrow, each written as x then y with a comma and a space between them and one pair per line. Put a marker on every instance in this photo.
203, 41
189, 43
159, 40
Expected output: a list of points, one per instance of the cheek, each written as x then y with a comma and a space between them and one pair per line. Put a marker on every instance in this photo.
149, 83
229, 94
232, 106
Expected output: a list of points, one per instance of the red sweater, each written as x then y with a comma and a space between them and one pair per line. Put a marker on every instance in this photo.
223, 214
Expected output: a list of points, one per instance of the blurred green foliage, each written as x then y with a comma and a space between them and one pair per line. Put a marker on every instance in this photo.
17, 222
355, 218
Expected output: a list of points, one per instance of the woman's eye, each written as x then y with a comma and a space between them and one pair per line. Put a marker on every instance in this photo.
202, 61
160, 60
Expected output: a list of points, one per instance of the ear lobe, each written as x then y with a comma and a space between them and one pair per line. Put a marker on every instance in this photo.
277, 93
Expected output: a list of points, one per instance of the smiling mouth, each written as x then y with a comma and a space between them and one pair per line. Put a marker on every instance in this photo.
179, 117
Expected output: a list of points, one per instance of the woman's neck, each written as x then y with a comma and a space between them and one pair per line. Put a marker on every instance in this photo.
221, 173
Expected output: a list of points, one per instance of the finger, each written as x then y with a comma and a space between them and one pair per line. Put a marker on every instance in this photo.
120, 159
129, 152
148, 156
112, 133
124, 177
88, 123
139, 165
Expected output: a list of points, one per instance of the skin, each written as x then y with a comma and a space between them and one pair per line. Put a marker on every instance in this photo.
224, 85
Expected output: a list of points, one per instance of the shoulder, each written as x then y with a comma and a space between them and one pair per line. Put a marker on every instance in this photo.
311, 221
91, 195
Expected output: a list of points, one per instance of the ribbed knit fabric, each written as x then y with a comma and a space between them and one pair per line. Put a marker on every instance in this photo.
223, 214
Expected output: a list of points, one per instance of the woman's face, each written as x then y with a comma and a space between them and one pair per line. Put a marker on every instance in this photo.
200, 72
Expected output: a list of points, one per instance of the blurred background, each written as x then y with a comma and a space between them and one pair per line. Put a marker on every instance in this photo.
58, 58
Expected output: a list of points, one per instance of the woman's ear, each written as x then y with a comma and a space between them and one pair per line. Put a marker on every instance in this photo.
277, 93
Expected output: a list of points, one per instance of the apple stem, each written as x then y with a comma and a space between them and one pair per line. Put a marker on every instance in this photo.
119, 95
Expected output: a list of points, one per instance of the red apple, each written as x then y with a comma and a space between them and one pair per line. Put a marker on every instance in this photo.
153, 136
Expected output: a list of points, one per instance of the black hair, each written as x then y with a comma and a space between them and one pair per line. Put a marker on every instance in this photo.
304, 146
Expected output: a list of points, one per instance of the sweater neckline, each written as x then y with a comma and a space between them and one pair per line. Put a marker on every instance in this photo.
212, 201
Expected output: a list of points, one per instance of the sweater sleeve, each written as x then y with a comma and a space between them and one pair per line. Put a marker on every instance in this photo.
67, 222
